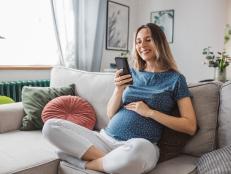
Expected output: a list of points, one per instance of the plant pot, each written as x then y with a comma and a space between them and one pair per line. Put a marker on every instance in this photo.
220, 75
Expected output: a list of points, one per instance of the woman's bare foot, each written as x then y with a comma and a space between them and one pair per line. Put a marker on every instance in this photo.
95, 165
92, 154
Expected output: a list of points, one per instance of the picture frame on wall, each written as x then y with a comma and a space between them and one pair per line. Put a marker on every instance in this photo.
164, 19
117, 28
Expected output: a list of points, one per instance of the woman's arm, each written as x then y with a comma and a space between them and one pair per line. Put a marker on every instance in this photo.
185, 123
115, 100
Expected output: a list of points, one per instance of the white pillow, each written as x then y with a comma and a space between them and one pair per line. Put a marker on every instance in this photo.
95, 87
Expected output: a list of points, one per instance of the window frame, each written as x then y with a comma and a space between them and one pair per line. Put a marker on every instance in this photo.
25, 67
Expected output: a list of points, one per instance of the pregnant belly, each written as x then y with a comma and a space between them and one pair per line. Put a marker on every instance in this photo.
128, 124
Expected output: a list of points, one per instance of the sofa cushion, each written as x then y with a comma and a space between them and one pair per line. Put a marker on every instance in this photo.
6, 100
66, 168
35, 98
25, 151
217, 161
183, 164
205, 98
11, 116
224, 120
95, 87
71, 108
46, 168
172, 142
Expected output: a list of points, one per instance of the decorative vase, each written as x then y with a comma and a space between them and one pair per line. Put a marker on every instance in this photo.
220, 75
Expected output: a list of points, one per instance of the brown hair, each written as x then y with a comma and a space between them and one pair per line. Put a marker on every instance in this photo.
164, 57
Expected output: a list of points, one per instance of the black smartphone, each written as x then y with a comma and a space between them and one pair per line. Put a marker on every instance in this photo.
122, 63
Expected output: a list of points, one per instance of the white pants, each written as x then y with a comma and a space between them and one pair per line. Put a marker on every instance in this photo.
134, 156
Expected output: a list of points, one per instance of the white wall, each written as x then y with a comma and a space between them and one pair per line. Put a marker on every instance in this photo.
197, 24
109, 55
228, 45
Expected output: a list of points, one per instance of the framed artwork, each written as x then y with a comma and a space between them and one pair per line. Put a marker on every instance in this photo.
164, 19
117, 29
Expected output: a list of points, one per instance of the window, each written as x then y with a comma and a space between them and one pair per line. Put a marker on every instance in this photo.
27, 26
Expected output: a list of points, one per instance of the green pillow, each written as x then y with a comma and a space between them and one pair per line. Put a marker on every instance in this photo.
6, 100
35, 98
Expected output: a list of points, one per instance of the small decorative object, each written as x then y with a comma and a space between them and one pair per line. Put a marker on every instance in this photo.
164, 19
112, 65
117, 26
125, 54
218, 61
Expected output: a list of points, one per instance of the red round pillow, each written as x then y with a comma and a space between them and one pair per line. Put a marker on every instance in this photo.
71, 108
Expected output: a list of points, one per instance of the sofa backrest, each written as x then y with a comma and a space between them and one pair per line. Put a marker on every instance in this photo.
224, 119
95, 87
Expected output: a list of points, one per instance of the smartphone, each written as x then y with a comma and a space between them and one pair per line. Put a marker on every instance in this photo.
122, 63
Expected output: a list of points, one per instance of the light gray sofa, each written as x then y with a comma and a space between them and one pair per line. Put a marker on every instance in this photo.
27, 152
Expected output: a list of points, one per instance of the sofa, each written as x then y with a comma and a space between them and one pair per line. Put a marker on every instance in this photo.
27, 152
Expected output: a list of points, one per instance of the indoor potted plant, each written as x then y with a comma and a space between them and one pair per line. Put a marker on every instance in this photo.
218, 61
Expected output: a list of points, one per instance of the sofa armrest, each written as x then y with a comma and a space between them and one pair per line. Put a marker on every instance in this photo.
11, 116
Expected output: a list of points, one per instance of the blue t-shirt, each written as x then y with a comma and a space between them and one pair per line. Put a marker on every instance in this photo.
160, 91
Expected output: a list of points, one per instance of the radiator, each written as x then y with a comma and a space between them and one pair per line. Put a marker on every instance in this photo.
13, 89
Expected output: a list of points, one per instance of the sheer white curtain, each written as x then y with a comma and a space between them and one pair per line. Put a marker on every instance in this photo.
80, 32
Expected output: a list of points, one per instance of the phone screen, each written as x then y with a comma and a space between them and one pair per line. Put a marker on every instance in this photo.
122, 63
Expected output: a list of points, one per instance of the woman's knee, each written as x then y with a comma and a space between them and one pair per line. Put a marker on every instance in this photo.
50, 127
135, 156
139, 145
143, 151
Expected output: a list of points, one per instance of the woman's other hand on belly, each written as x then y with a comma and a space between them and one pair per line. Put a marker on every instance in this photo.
140, 107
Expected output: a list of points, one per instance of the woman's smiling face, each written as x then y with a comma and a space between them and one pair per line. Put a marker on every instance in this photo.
145, 45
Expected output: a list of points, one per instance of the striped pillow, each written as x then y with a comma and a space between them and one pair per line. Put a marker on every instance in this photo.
215, 162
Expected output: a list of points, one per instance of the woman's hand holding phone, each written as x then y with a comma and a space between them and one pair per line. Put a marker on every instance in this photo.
123, 75
122, 81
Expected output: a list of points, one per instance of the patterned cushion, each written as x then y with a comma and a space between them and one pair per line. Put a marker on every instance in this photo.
172, 142
71, 108
35, 98
215, 162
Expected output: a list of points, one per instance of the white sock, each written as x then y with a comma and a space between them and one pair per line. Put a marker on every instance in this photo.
72, 160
